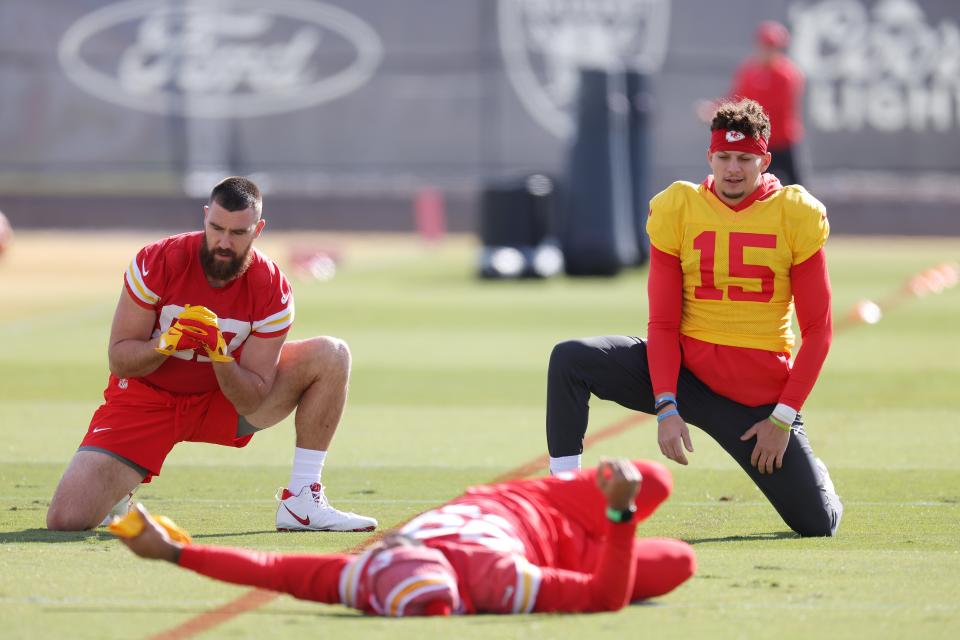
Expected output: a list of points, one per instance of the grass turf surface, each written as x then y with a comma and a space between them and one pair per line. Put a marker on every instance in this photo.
448, 390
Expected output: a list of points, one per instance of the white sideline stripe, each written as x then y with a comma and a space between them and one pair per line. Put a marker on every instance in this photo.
438, 501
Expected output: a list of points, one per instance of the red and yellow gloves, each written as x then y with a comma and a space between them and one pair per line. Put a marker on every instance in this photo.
201, 325
195, 328
173, 340
131, 525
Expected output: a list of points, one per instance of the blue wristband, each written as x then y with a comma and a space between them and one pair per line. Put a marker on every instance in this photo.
666, 414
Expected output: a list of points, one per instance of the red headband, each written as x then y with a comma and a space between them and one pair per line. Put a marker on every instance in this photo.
728, 140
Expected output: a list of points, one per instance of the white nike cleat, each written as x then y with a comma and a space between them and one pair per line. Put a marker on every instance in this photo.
310, 511
119, 510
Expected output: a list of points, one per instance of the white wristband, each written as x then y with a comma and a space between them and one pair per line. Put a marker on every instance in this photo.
785, 414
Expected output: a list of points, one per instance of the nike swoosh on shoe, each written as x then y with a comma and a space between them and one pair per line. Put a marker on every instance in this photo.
304, 521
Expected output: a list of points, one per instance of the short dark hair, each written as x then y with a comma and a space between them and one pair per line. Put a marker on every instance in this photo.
236, 194
745, 116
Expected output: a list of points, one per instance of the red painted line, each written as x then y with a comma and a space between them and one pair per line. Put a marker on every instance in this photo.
253, 599
256, 598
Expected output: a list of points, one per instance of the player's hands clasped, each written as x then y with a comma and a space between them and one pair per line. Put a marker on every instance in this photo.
673, 435
619, 481
771, 444
174, 339
201, 325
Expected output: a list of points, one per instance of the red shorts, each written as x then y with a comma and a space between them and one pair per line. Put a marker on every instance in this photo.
140, 423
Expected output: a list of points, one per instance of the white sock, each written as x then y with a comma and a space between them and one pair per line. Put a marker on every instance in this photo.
564, 463
307, 468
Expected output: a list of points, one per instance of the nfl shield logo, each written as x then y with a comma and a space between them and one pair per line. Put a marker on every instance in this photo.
546, 42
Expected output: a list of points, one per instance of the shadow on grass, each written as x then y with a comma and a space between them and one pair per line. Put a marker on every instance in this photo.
52, 537
228, 534
751, 537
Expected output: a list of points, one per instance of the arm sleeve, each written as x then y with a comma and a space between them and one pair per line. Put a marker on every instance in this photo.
608, 588
665, 293
308, 577
811, 295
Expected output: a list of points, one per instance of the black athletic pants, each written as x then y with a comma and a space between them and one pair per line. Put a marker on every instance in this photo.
615, 368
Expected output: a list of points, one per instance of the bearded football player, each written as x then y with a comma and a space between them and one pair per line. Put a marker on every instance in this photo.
731, 259
197, 353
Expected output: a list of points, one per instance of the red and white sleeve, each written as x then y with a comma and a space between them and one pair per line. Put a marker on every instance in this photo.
306, 576
144, 278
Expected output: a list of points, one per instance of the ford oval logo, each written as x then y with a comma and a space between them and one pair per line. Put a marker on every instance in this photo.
219, 58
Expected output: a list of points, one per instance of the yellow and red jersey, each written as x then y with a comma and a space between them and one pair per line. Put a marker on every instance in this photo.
736, 264
722, 288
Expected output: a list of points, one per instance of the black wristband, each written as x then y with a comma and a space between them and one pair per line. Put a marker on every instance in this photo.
621, 516
666, 402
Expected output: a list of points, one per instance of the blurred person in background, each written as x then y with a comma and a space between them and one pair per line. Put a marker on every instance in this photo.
731, 258
563, 544
197, 354
769, 77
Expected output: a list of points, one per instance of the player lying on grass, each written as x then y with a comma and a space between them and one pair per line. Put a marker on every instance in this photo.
197, 354
565, 543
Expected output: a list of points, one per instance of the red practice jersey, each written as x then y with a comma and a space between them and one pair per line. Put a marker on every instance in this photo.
167, 275
508, 517
778, 87
508, 540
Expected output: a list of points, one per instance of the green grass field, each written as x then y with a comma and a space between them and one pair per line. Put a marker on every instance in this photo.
448, 390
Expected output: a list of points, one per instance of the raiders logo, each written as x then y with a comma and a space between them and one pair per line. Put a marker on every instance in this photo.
545, 43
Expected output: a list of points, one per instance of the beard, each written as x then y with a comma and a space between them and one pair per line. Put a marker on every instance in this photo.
226, 270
